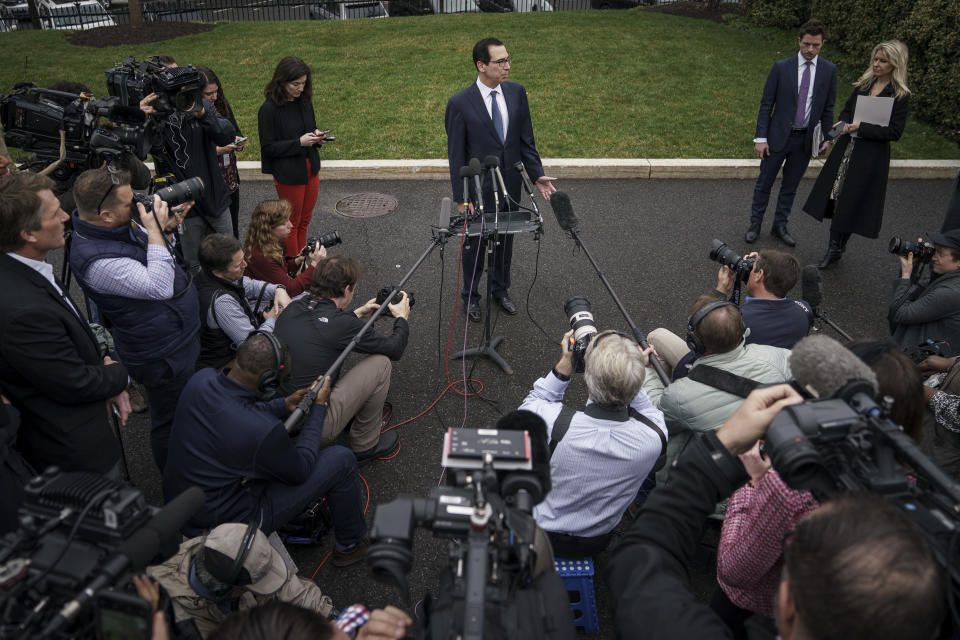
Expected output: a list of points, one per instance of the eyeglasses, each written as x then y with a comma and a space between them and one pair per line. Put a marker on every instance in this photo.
502, 61
115, 182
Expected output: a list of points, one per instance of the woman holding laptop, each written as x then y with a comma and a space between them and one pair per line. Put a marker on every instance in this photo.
853, 182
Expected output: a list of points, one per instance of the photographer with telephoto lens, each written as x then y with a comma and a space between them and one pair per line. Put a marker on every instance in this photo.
130, 273
920, 312
602, 453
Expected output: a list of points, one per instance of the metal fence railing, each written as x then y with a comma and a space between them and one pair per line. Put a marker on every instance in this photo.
88, 14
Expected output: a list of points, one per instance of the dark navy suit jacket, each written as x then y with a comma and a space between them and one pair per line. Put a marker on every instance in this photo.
779, 103
470, 134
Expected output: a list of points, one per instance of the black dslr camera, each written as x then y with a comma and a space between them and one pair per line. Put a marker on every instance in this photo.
922, 251
174, 194
96, 130
177, 89
487, 510
581, 321
726, 256
384, 293
326, 240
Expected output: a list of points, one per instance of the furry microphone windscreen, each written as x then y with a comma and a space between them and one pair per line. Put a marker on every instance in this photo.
539, 446
822, 366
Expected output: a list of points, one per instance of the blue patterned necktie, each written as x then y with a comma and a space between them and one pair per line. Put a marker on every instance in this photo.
802, 94
495, 114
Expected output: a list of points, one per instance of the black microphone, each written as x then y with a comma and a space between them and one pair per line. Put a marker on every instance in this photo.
811, 286
475, 170
491, 164
160, 536
465, 175
560, 202
443, 224
826, 369
523, 176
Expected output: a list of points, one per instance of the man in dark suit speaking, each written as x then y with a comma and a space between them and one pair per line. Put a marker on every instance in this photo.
799, 93
491, 118
51, 366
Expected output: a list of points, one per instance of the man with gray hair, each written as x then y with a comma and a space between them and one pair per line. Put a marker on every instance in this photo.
602, 453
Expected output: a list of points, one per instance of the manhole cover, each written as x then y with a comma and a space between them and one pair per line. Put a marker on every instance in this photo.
366, 205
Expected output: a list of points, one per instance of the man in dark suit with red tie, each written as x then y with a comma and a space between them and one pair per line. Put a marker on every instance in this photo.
799, 93
51, 367
491, 118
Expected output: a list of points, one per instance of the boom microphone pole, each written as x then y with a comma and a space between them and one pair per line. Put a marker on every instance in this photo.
560, 202
292, 423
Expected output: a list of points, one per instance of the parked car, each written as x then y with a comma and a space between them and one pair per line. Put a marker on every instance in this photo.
171, 11
620, 4
455, 6
348, 10
80, 14
409, 8
508, 6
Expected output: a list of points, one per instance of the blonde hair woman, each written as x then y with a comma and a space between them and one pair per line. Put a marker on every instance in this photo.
853, 183
263, 248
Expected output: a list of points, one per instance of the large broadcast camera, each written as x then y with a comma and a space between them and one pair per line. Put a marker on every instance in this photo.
487, 510
847, 442
177, 88
33, 122
66, 572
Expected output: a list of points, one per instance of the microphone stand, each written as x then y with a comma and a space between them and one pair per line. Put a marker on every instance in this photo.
822, 315
292, 423
637, 334
490, 343
529, 187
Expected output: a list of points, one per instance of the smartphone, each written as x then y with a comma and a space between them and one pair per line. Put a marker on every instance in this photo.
122, 616
242, 140
329, 138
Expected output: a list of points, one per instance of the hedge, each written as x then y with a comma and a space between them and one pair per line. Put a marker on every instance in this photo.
930, 28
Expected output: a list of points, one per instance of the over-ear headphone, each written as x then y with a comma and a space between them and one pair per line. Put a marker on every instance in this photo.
269, 381
693, 339
246, 544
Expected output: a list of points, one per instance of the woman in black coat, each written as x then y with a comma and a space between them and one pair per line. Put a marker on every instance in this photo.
288, 144
853, 183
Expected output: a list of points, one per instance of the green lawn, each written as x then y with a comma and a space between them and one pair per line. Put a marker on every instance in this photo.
618, 84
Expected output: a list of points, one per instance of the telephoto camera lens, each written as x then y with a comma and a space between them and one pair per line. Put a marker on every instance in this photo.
581, 320
326, 240
726, 256
921, 250
175, 194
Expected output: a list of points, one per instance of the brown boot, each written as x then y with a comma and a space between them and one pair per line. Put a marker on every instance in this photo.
833, 254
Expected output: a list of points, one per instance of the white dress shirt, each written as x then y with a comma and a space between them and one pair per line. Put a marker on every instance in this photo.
598, 467
501, 103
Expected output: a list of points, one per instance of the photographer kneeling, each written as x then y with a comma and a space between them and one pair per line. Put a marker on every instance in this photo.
932, 311
601, 454
226, 317
856, 568
317, 323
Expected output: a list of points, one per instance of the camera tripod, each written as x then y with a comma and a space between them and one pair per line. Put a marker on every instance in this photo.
489, 227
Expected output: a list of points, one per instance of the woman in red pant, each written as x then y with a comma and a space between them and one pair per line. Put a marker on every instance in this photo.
288, 144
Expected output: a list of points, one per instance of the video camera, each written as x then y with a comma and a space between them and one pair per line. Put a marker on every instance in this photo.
177, 89
581, 321
33, 122
487, 506
80, 538
849, 443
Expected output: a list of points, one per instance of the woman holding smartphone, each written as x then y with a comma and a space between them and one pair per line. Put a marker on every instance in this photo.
226, 156
852, 185
288, 144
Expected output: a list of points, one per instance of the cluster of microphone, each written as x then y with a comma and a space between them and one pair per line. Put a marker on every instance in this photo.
473, 170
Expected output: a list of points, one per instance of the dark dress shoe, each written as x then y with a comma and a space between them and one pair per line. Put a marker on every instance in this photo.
385, 446
782, 233
833, 254
752, 233
507, 305
473, 311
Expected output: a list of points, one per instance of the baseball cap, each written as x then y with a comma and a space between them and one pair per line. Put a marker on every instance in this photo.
263, 571
949, 238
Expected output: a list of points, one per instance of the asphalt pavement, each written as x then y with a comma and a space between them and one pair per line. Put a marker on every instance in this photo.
651, 239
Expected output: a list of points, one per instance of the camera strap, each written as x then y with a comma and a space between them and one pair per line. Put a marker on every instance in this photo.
722, 380
562, 424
